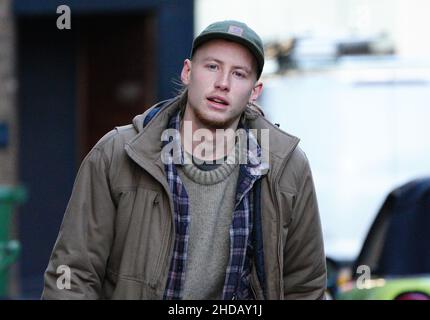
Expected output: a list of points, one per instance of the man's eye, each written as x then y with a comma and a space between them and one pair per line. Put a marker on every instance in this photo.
212, 66
239, 74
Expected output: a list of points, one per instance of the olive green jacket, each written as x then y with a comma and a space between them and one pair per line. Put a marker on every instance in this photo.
117, 234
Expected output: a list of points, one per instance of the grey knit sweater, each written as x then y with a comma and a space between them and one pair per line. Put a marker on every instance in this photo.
211, 196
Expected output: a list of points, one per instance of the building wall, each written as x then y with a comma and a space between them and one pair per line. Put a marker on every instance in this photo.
8, 116
51, 64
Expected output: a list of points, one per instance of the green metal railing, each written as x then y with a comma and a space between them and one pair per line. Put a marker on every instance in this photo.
9, 249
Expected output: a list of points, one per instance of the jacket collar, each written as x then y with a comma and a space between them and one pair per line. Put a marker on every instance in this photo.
145, 148
281, 144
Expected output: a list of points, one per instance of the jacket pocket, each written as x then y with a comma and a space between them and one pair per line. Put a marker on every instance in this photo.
255, 286
286, 206
140, 238
124, 288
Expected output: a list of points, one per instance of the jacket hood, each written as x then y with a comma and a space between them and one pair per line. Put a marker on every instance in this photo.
138, 121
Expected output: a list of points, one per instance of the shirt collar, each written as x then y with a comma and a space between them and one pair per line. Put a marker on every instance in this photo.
255, 164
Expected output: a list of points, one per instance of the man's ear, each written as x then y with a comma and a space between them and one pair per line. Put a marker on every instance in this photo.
256, 91
185, 73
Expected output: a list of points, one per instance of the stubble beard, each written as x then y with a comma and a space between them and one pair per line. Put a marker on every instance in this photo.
213, 123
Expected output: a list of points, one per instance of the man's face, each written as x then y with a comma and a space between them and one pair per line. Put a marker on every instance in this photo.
221, 80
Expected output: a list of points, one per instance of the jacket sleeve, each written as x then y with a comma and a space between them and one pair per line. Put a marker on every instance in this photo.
85, 236
304, 268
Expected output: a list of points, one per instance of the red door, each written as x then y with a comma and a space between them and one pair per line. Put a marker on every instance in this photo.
116, 73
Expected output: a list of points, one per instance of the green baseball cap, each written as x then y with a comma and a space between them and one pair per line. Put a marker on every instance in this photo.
235, 31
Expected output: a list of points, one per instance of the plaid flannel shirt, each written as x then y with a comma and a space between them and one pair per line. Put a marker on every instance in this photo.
236, 285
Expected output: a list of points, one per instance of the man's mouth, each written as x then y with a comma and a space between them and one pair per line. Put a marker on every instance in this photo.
218, 100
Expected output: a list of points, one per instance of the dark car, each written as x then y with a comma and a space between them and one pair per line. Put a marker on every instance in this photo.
394, 262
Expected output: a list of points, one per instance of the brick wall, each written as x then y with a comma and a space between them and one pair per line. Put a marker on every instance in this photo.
8, 112
8, 116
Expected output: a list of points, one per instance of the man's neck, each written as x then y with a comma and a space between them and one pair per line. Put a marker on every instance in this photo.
208, 144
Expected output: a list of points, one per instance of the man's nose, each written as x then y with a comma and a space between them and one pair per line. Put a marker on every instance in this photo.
223, 81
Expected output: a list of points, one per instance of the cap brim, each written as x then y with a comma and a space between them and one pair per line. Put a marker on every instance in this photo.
228, 36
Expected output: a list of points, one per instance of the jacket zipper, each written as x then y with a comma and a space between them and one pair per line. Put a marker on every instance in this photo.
167, 248
253, 290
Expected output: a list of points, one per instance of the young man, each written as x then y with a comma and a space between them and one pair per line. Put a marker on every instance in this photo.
182, 218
